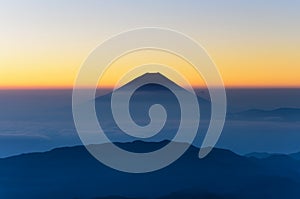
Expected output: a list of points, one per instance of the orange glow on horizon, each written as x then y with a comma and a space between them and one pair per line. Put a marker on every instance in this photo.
239, 69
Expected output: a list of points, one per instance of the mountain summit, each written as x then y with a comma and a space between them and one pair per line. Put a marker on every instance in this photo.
157, 82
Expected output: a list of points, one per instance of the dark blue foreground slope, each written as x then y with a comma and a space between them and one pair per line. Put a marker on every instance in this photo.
69, 173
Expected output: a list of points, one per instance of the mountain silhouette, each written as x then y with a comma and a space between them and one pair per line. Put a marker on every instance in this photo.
141, 101
71, 172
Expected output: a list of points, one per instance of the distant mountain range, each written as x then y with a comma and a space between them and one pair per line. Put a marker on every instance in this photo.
261, 155
71, 172
295, 156
281, 114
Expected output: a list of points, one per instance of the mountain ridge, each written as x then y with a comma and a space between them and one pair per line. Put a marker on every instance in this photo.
71, 172
278, 114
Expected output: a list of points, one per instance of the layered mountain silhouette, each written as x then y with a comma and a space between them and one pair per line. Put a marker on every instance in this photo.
40, 120
71, 172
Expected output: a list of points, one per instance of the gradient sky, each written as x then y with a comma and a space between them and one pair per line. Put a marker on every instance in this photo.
254, 43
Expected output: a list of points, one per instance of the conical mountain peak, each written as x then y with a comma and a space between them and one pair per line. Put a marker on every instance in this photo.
154, 78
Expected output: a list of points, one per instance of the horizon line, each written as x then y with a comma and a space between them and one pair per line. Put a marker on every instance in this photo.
111, 87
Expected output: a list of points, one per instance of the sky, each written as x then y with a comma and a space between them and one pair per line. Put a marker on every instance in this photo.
253, 43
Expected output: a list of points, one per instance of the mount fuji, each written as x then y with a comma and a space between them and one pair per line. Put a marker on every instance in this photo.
140, 102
